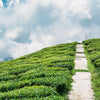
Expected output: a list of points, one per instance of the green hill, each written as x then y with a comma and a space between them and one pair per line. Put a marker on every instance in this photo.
43, 75
92, 47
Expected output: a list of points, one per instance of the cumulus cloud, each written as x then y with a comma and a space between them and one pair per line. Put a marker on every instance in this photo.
30, 25
1, 4
13, 33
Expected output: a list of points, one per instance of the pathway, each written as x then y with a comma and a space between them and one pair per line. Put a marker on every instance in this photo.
81, 87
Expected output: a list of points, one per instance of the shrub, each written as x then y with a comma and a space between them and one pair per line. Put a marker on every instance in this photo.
43, 98
69, 65
34, 91
8, 77
93, 49
97, 64
51, 67
57, 80
94, 57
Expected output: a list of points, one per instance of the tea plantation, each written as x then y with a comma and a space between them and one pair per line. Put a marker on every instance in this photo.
93, 53
43, 75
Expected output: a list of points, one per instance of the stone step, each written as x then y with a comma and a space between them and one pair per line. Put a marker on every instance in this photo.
79, 46
81, 63
81, 87
80, 55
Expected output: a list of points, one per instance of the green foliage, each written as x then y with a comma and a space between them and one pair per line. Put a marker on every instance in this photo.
33, 91
59, 80
93, 50
43, 98
42, 75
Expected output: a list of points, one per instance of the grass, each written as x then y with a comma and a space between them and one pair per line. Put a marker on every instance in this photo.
92, 47
42, 75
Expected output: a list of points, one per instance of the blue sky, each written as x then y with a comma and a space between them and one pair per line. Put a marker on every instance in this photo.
5, 3
30, 25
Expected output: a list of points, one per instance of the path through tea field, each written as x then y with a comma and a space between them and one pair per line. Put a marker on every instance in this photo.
81, 87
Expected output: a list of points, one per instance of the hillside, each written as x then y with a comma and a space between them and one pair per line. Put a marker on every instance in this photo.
44, 74
92, 47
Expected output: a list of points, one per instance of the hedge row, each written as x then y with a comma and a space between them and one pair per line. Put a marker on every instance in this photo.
51, 67
34, 91
93, 48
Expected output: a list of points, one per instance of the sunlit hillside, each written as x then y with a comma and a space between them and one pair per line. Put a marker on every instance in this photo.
43, 75
92, 47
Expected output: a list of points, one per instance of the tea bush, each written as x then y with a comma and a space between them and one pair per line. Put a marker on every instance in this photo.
92, 47
33, 91
43, 98
42, 75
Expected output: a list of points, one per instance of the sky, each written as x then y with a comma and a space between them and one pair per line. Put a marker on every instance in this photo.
30, 25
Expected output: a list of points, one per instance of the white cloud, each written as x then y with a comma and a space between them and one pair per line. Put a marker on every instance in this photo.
23, 12
82, 8
13, 33
2, 45
1, 4
1, 60
17, 1
73, 7
19, 50
11, 2
20, 14
21, 23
